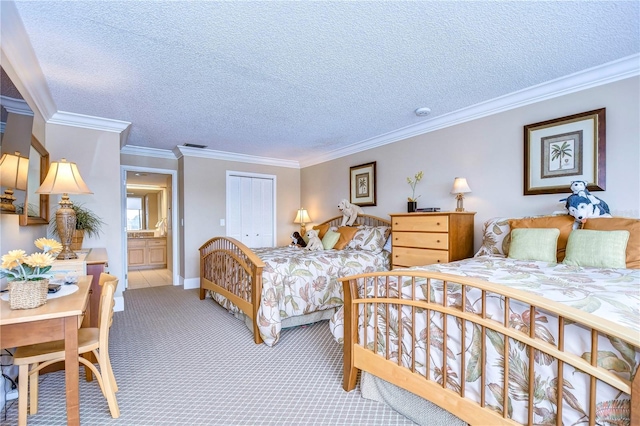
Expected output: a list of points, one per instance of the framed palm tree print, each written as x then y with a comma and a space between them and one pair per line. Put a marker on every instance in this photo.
362, 184
560, 151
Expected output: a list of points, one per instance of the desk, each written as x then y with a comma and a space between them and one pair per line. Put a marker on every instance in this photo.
57, 319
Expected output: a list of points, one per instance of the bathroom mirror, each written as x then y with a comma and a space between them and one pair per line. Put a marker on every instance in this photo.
36, 206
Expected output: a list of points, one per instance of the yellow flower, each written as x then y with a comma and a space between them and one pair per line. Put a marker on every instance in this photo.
412, 183
13, 259
39, 260
48, 245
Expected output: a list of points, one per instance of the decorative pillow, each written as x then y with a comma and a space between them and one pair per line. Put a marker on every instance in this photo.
371, 238
387, 244
534, 244
597, 249
494, 232
322, 229
564, 223
621, 223
346, 234
330, 239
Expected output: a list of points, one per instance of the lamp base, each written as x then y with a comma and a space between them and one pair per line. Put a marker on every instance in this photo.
6, 201
459, 206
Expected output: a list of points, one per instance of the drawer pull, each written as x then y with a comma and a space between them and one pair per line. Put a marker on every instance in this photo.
438, 223
437, 241
438, 260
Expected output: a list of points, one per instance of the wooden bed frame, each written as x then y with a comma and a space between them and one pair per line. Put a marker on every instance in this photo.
232, 270
358, 357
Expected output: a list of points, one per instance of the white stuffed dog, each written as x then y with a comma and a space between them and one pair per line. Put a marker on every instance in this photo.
314, 243
349, 211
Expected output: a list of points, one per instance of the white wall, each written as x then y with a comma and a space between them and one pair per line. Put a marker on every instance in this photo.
489, 153
97, 154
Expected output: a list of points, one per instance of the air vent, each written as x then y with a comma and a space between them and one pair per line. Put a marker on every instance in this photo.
194, 145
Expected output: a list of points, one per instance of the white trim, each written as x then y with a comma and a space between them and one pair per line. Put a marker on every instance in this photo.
16, 106
147, 152
2, 126
88, 122
19, 59
186, 151
608, 73
176, 229
119, 305
191, 283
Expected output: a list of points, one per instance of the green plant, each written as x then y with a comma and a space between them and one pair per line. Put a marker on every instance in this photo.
86, 220
412, 183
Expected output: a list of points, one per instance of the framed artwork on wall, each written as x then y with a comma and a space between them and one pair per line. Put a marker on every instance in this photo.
362, 184
559, 151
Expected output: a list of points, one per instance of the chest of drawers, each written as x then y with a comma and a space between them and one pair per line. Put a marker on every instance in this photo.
426, 238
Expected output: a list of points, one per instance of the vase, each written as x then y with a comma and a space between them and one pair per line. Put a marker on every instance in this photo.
76, 240
28, 294
412, 206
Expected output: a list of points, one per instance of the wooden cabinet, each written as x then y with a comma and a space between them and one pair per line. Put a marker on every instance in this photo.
426, 238
147, 253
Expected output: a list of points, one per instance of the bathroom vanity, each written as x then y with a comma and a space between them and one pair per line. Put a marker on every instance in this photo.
146, 251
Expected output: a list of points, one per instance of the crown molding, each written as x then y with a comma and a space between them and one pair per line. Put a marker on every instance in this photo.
16, 106
148, 152
20, 62
186, 151
597, 76
88, 122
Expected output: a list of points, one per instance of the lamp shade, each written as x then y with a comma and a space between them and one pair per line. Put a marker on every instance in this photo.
460, 186
14, 170
63, 177
302, 216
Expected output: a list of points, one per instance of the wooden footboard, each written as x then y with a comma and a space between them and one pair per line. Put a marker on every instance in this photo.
390, 315
232, 270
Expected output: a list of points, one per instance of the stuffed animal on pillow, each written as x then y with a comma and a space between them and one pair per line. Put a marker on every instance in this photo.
581, 208
349, 211
315, 243
296, 240
579, 187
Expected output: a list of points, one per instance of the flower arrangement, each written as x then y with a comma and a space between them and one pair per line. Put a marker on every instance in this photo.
412, 183
17, 266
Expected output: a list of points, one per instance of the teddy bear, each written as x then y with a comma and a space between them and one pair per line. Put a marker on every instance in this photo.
314, 243
296, 240
349, 211
579, 187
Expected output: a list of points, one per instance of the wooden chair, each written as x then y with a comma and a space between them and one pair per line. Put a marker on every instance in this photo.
33, 358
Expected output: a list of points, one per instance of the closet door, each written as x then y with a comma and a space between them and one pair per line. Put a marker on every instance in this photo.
250, 210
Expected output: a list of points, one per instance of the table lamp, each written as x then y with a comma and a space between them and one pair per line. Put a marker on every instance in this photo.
14, 170
460, 187
302, 218
64, 178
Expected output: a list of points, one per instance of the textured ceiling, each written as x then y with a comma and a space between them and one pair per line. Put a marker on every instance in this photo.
293, 80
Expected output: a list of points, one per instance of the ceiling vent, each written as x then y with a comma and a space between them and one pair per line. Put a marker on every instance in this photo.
194, 145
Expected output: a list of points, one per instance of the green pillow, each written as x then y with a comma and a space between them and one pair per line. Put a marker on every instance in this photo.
534, 244
597, 249
330, 239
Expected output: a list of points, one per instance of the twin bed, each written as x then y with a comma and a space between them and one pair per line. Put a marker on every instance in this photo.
493, 340
275, 287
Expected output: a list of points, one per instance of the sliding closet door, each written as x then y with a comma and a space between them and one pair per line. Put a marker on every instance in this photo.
250, 207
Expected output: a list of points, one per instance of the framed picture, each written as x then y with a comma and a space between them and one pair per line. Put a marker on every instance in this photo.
362, 185
559, 151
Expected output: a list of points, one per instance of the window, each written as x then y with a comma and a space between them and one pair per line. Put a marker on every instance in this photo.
134, 213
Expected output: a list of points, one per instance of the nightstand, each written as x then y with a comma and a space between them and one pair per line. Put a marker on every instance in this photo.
426, 238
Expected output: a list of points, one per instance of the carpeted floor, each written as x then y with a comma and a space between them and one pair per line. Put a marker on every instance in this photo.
182, 361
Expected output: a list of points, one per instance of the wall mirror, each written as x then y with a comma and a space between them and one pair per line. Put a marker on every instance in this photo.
36, 206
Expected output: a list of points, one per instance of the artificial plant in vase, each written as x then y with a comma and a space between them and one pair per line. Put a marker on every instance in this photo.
87, 223
412, 203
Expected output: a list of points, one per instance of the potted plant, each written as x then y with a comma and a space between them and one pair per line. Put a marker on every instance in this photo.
28, 275
412, 204
87, 223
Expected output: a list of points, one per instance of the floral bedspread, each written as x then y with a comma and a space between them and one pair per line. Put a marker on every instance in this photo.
298, 282
612, 294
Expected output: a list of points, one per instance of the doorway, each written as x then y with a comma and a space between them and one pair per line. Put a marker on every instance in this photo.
150, 234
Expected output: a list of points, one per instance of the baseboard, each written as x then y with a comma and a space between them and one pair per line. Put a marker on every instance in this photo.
191, 283
119, 305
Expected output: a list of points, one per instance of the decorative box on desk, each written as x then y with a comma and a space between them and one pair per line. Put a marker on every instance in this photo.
426, 238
